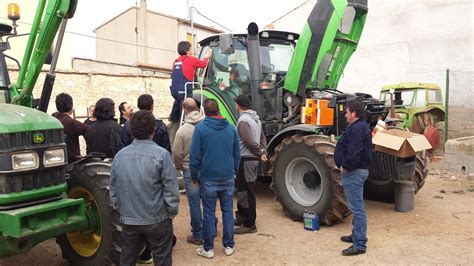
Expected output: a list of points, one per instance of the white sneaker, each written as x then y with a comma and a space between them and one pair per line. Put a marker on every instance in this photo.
229, 251
206, 254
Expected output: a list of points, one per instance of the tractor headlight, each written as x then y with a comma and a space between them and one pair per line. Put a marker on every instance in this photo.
53, 157
25, 161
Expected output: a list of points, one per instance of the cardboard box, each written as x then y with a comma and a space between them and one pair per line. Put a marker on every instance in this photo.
400, 143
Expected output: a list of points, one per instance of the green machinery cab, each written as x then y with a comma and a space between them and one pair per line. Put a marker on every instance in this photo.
419, 106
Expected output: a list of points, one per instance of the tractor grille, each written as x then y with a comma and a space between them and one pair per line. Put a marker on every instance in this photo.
18, 182
25, 139
387, 167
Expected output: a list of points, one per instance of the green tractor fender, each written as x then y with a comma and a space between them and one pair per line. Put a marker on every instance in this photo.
425, 122
302, 129
226, 108
430, 116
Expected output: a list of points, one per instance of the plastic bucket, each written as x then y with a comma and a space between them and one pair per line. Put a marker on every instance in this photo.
404, 192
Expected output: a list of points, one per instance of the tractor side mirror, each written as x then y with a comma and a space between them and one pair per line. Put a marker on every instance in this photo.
226, 44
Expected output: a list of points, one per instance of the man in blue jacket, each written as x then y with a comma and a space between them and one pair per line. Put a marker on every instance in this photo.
214, 161
144, 190
353, 156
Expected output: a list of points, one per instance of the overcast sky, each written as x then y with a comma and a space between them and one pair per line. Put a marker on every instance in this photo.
234, 15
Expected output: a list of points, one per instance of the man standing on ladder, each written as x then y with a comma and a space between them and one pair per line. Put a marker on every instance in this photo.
183, 71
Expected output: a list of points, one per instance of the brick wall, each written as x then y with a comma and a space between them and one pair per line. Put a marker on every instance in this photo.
87, 88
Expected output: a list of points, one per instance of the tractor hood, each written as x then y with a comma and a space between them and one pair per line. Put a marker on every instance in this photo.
328, 39
15, 118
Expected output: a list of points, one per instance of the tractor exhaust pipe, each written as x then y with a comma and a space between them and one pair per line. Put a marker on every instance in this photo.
255, 66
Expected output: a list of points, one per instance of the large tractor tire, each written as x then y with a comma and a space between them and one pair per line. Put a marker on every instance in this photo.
101, 244
421, 170
382, 189
305, 177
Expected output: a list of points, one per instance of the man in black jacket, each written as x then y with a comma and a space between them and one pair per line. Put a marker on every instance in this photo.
145, 102
353, 156
104, 135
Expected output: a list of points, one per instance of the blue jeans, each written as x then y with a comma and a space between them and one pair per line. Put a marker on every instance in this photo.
194, 199
353, 184
211, 190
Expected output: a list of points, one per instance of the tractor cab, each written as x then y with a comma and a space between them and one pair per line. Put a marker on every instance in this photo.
228, 73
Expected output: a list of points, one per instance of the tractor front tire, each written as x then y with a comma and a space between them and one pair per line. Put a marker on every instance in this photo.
305, 177
101, 244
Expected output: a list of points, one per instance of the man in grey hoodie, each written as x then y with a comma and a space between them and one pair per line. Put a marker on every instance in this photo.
252, 149
181, 148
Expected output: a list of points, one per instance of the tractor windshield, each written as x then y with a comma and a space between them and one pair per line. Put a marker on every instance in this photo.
401, 97
275, 57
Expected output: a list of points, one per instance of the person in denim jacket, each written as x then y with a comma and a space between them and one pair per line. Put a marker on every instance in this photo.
144, 190
353, 155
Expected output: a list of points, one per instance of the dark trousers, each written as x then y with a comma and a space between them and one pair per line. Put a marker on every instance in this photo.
159, 237
245, 183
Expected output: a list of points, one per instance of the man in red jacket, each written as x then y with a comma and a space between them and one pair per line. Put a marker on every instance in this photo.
183, 71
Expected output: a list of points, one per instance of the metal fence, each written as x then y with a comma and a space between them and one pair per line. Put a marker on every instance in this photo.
459, 104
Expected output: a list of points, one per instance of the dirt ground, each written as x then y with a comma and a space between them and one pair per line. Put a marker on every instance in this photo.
439, 231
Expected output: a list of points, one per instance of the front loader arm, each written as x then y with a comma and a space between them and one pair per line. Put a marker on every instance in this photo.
40, 41
329, 37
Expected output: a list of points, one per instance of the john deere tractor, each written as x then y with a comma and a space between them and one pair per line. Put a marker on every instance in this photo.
41, 195
292, 80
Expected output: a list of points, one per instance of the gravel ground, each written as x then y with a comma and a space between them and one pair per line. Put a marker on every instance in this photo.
439, 231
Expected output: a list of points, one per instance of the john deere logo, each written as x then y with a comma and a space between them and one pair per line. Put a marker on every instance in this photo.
38, 138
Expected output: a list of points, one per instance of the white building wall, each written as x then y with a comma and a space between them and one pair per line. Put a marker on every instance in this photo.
404, 40
116, 40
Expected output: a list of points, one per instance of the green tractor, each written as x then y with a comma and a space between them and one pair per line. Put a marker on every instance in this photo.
419, 106
292, 81
41, 195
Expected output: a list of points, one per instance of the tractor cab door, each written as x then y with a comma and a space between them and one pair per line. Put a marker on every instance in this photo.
226, 75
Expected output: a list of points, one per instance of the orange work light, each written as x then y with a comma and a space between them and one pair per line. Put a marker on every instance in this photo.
13, 11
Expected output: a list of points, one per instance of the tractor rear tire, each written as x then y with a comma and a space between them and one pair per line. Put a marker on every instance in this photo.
305, 177
421, 170
100, 245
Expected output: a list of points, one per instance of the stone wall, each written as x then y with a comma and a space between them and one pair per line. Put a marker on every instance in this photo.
87, 88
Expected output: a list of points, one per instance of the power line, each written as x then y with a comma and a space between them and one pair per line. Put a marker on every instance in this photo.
121, 42
105, 39
211, 20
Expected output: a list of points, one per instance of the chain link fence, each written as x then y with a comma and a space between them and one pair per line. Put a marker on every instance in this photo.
459, 101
